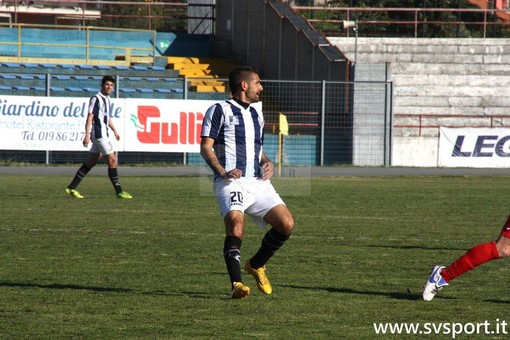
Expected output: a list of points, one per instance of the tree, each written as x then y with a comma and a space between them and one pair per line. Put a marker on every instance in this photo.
144, 16
432, 23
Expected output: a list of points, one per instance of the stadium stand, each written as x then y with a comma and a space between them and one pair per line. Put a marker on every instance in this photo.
79, 80
208, 68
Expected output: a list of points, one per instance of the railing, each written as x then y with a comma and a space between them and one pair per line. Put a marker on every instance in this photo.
83, 48
436, 121
330, 19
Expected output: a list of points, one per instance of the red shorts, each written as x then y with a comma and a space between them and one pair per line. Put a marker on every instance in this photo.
506, 228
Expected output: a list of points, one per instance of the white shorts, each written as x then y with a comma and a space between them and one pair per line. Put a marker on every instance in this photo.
102, 145
252, 196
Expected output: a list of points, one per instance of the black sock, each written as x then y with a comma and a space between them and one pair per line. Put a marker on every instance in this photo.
271, 242
232, 254
80, 174
114, 178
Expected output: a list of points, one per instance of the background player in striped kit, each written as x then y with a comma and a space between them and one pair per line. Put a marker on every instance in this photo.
98, 129
232, 145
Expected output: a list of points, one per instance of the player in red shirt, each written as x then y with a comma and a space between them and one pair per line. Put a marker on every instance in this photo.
478, 255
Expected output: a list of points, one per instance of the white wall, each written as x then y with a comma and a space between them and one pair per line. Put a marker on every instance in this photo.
438, 83
415, 151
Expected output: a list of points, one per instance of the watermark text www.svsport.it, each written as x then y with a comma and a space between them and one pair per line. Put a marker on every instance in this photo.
498, 327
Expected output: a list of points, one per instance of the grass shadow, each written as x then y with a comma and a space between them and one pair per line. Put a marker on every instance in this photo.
109, 289
410, 296
64, 286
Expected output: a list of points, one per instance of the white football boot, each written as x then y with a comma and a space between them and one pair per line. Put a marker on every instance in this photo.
434, 284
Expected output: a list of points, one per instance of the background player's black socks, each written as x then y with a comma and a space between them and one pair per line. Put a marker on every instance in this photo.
114, 178
80, 174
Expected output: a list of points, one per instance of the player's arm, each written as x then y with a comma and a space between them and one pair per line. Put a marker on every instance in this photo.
112, 126
207, 152
267, 166
88, 126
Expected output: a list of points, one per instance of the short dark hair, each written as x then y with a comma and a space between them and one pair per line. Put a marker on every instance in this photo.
239, 74
107, 78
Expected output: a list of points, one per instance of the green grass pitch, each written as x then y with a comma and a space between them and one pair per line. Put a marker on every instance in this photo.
152, 267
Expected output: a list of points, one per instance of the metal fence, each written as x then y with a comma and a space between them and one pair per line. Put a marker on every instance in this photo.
330, 123
489, 22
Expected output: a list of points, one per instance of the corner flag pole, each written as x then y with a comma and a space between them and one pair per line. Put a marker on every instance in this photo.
284, 131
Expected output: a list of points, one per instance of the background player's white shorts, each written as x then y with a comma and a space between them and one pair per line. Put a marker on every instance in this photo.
102, 145
253, 196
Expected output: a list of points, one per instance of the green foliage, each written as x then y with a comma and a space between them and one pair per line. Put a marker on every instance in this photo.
433, 24
144, 16
152, 267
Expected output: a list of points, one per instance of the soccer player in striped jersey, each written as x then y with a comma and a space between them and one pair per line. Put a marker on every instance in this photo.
98, 129
232, 145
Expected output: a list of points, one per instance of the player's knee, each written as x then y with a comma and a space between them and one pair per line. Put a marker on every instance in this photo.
503, 246
288, 225
112, 163
503, 250
234, 227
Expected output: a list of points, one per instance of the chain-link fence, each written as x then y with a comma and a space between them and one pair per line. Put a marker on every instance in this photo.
331, 123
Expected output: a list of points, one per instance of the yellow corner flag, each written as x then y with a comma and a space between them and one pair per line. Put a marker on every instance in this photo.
284, 126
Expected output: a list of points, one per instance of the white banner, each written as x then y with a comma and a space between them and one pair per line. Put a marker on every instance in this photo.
474, 147
58, 124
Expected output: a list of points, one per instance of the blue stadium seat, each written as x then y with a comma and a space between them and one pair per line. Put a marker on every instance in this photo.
30, 65
134, 78
22, 88
178, 90
12, 65
103, 67
86, 67
156, 68
26, 77
67, 66
62, 77
139, 68
152, 79
121, 67
170, 80
48, 65
145, 90
38, 88
81, 77
127, 90
7, 76
57, 89
40, 76
163, 90
90, 89
5, 88
74, 89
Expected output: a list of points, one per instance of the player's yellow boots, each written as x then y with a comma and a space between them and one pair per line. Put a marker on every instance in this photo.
239, 290
73, 193
260, 276
124, 195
